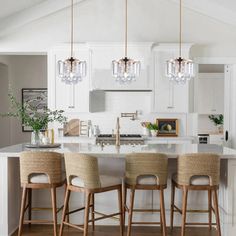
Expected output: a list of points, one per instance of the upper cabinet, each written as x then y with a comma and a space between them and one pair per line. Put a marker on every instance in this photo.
170, 97
68, 97
209, 89
102, 55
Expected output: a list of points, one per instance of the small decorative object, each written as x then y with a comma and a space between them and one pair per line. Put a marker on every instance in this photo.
218, 121
146, 131
126, 69
153, 129
168, 127
72, 70
30, 116
179, 69
72, 128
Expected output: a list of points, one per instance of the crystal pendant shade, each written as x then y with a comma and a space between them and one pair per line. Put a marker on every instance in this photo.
71, 71
125, 70
180, 70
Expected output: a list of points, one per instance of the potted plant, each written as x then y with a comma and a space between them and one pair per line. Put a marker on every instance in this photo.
146, 131
218, 121
31, 117
153, 129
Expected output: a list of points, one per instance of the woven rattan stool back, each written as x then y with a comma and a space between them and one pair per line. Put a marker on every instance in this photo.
146, 164
48, 163
83, 166
198, 164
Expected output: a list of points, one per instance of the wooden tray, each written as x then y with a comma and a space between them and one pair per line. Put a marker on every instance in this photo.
55, 145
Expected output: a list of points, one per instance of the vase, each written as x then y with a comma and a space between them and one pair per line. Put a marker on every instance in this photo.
220, 129
154, 133
35, 137
146, 132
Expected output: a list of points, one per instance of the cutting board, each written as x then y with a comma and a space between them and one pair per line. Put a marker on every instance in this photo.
72, 128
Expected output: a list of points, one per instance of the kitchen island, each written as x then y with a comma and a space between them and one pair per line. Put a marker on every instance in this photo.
111, 161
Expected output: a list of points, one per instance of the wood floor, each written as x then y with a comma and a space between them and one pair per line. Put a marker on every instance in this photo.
39, 230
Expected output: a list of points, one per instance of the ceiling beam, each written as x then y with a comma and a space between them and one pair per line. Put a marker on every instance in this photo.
211, 9
36, 12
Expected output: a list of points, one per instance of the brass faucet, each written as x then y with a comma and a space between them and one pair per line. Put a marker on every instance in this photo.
132, 115
118, 131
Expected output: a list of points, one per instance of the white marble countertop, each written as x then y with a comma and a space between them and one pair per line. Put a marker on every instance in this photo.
172, 150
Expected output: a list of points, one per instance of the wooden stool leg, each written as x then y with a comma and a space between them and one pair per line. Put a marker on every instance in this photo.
132, 193
163, 216
172, 205
54, 210
86, 213
65, 210
215, 199
67, 217
124, 203
210, 209
92, 211
22, 210
184, 210
121, 211
30, 204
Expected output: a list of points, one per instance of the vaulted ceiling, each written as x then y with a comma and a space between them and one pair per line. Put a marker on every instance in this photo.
205, 21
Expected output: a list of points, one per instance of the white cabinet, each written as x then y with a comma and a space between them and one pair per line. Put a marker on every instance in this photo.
67, 97
168, 96
216, 139
210, 93
104, 54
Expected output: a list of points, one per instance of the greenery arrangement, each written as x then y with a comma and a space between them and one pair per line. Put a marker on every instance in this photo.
217, 119
31, 117
152, 126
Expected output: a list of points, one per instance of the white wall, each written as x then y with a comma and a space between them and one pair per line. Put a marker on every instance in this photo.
24, 72
4, 122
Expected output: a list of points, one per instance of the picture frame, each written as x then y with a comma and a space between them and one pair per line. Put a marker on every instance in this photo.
168, 127
37, 97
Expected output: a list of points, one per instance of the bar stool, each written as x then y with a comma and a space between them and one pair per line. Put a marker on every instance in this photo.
199, 171
39, 170
83, 176
145, 171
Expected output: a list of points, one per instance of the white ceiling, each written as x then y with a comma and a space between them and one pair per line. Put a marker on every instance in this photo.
229, 4
11, 7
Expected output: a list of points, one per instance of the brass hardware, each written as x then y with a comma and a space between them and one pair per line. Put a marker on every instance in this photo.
118, 131
133, 115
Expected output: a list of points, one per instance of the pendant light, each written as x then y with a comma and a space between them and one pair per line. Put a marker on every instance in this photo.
180, 70
72, 70
126, 70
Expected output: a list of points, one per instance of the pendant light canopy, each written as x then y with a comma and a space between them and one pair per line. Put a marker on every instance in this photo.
125, 69
72, 70
180, 70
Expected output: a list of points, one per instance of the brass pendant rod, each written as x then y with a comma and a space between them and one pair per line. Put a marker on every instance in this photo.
72, 28
180, 28
126, 28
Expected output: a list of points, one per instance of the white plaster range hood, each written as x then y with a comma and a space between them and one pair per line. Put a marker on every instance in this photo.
102, 55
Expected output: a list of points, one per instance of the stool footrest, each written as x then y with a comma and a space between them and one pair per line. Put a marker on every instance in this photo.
38, 221
74, 226
146, 223
104, 216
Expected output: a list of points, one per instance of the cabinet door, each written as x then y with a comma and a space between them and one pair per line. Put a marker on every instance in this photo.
70, 97
169, 97
210, 96
102, 57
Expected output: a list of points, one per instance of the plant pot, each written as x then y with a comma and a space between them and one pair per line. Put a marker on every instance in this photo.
220, 129
154, 133
146, 132
35, 137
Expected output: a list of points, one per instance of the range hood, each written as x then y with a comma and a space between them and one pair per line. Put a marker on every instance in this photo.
103, 80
